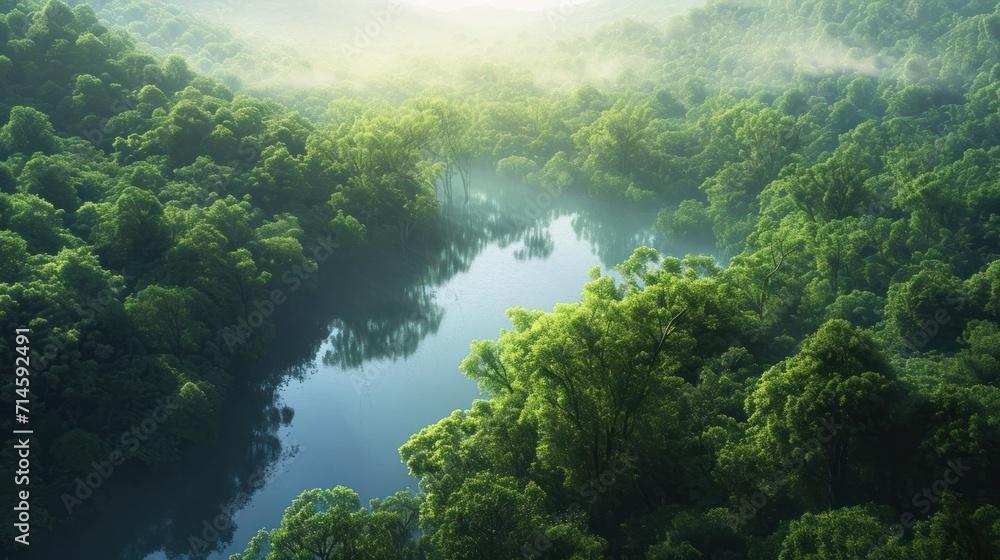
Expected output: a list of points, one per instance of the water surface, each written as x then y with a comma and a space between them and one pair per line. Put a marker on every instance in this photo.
360, 367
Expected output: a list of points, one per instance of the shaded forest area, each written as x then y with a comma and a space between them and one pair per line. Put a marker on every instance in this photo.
831, 392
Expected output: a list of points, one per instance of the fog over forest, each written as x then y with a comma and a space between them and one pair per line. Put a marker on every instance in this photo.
500, 279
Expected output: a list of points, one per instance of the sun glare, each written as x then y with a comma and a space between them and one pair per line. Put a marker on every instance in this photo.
449, 5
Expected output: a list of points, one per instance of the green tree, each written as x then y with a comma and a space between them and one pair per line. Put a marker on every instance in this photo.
321, 524
615, 143
836, 188
135, 227
827, 407
27, 131
331, 525
956, 532
841, 533
51, 178
164, 317
13, 255
928, 310
490, 518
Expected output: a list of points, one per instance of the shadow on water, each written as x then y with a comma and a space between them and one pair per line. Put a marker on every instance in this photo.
390, 309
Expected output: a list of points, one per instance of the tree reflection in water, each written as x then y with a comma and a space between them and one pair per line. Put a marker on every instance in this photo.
380, 308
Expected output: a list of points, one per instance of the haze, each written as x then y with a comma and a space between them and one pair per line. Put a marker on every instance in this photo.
498, 279
523, 5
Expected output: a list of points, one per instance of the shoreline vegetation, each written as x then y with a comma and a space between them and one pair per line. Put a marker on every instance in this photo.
833, 392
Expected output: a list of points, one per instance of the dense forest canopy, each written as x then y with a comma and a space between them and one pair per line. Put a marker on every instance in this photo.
830, 392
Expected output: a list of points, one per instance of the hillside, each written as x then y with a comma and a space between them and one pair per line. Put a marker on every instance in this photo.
828, 389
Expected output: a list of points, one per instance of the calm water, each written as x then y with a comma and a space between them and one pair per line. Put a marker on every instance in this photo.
358, 369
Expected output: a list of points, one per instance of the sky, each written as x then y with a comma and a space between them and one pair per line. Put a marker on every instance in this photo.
447, 5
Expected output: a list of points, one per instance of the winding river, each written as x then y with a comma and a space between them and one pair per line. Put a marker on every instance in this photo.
360, 367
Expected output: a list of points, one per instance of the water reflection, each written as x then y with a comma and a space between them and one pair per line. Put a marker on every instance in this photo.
390, 325
538, 244
191, 509
167, 509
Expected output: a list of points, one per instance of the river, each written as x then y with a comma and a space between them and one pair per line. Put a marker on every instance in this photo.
357, 369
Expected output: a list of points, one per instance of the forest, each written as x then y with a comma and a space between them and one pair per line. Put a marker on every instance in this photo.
829, 389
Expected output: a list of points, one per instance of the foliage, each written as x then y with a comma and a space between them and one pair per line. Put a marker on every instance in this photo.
795, 403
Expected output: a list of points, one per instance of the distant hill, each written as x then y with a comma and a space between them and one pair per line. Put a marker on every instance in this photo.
342, 20
266, 48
